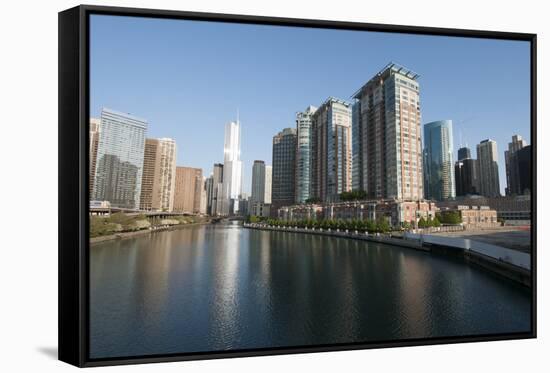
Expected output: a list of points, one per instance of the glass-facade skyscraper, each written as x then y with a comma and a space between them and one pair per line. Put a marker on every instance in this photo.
232, 169
303, 154
119, 164
439, 178
284, 173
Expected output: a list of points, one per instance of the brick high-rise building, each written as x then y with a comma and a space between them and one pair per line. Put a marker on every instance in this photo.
188, 190
159, 175
387, 145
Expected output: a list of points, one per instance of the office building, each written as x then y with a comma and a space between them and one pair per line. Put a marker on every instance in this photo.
513, 181
388, 148
464, 153
188, 190
284, 168
331, 150
466, 177
303, 153
258, 182
439, 177
268, 182
487, 157
119, 164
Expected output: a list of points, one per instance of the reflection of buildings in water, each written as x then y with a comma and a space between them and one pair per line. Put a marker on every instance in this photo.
224, 306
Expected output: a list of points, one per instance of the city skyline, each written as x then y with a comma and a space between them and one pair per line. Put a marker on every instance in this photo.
163, 85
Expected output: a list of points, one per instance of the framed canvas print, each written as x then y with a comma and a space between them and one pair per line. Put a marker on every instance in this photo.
236, 186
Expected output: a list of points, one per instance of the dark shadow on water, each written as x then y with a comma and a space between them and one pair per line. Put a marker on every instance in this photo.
50, 352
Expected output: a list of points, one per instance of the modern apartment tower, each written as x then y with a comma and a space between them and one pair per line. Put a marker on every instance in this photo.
523, 158
466, 173
387, 144
487, 157
439, 178
303, 153
513, 183
159, 175
284, 169
331, 150
233, 169
119, 164
95, 125
188, 190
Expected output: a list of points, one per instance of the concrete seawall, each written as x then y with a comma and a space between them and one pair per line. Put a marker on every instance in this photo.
498, 260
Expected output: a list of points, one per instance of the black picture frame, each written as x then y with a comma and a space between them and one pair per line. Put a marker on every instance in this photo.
74, 192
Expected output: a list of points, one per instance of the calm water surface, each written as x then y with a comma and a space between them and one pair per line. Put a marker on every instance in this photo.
224, 287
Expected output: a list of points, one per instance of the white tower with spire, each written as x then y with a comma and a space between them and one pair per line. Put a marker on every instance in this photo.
232, 168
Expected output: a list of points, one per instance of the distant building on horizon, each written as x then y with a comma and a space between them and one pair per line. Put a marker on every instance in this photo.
387, 145
514, 184
439, 177
487, 157
232, 169
268, 183
119, 164
188, 190
284, 169
258, 182
303, 154
331, 150
159, 175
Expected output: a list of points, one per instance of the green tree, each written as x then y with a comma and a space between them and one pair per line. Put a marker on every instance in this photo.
422, 223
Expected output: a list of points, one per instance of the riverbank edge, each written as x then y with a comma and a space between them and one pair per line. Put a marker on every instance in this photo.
513, 273
143, 232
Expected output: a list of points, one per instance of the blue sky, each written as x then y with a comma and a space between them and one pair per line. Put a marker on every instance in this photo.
189, 78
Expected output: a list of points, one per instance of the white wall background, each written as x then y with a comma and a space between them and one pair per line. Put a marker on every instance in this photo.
28, 186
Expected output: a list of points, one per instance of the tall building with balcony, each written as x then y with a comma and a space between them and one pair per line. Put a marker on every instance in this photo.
513, 182
233, 169
387, 150
95, 128
487, 157
331, 150
119, 164
159, 175
284, 169
439, 177
303, 153
188, 190
466, 173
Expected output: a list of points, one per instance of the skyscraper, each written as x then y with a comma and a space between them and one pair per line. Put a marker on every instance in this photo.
215, 191
487, 157
119, 164
188, 190
95, 125
268, 181
513, 184
159, 175
258, 182
233, 168
466, 173
439, 178
331, 150
387, 146
464, 153
303, 153
284, 169
524, 165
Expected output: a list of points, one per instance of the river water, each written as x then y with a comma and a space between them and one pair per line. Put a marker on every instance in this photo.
225, 287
